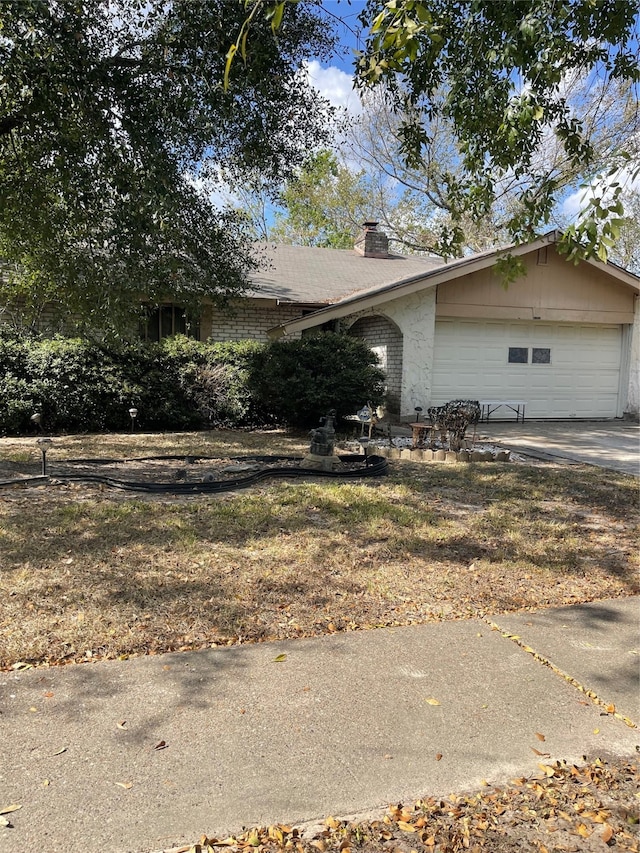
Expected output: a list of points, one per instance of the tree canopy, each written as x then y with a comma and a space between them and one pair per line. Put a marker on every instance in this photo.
325, 204
329, 198
112, 118
501, 75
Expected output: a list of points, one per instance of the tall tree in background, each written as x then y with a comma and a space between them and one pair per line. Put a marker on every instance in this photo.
498, 72
626, 251
325, 204
423, 205
112, 116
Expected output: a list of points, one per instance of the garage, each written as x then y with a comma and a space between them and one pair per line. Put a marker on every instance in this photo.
561, 370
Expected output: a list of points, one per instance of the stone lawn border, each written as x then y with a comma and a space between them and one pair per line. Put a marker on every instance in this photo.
425, 455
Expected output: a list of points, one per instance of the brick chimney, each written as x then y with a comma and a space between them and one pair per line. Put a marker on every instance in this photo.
372, 243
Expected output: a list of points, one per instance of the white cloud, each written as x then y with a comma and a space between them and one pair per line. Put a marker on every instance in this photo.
334, 85
573, 205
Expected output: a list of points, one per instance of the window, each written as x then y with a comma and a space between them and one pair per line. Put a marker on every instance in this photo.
167, 320
518, 355
540, 355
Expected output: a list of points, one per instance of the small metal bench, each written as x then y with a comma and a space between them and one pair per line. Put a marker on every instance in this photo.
488, 407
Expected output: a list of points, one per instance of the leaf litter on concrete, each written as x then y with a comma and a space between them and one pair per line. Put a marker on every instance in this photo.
586, 808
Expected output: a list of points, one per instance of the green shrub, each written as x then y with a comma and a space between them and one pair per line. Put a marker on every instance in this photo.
78, 386
301, 380
180, 383
214, 376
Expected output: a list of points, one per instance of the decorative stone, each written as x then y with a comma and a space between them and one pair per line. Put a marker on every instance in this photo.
418, 455
239, 468
394, 453
477, 456
464, 456
427, 455
451, 456
405, 453
503, 455
439, 455
316, 462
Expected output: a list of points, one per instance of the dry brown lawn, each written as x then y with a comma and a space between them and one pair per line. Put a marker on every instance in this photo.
86, 572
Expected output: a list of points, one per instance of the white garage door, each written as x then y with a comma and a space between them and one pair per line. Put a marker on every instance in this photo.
560, 371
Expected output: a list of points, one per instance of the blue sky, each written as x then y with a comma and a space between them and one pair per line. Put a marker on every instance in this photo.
334, 80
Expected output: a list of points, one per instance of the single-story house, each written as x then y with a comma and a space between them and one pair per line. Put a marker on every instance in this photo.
564, 339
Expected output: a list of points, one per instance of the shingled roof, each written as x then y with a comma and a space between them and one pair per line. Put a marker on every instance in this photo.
312, 276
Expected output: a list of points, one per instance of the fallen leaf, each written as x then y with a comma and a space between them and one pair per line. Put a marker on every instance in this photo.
4, 821
33, 710
161, 745
48, 694
432, 701
547, 769
46, 783
279, 658
332, 823
537, 752
22, 665
438, 756
60, 751
596, 731
12, 808
276, 834
540, 737
125, 785
406, 827
583, 831
122, 724
611, 709
607, 833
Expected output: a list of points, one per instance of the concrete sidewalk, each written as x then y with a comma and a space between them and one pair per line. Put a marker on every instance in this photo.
153, 752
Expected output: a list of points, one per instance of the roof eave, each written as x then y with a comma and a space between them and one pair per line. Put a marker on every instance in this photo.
448, 272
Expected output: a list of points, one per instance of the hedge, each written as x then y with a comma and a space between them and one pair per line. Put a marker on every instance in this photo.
180, 384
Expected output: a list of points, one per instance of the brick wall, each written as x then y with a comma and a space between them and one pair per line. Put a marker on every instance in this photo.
385, 339
250, 319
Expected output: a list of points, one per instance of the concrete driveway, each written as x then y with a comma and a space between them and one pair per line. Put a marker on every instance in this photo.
609, 444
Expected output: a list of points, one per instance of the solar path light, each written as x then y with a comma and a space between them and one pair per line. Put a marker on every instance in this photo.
44, 444
133, 414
